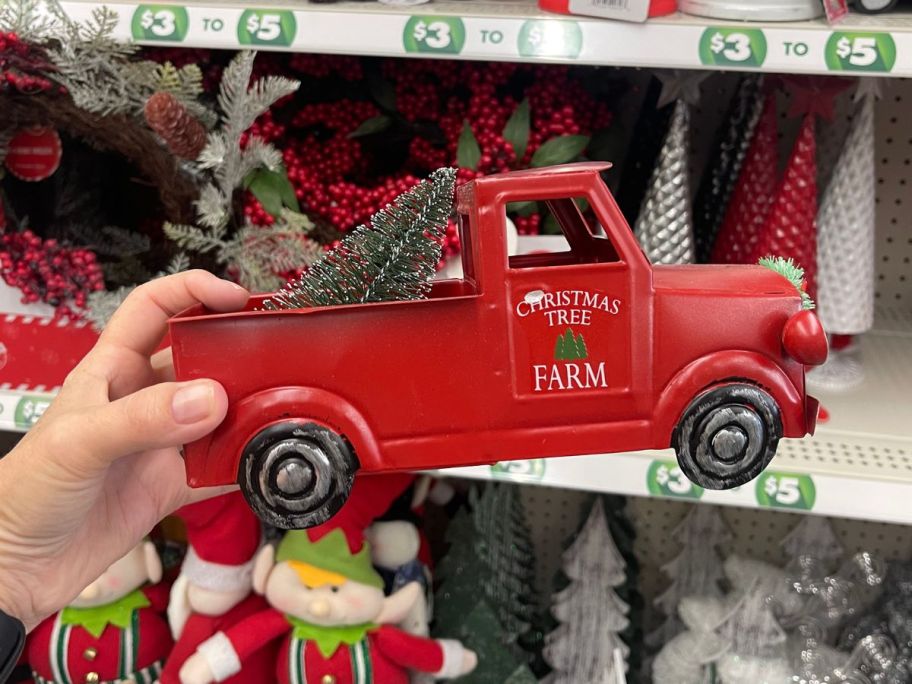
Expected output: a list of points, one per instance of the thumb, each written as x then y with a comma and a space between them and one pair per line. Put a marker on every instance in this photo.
168, 414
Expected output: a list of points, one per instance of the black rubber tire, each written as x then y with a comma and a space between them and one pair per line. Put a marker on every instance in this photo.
863, 7
297, 474
727, 436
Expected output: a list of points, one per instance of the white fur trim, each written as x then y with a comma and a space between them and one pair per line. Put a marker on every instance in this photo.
215, 576
220, 655
453, 652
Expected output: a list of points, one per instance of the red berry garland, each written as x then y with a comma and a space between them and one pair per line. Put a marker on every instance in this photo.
21, 66
48, 272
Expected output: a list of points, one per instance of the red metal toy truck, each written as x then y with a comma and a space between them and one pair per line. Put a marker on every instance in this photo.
585, 351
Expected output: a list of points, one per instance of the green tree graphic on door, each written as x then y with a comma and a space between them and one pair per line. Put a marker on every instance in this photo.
570, 347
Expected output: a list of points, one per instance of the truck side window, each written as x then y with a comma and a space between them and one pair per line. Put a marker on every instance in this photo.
585, 241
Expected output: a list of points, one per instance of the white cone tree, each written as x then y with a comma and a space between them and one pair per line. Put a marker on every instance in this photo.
590, 613
685, 658
696, 571
812, 547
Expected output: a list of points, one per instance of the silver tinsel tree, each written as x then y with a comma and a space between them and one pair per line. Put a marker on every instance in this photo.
664, 226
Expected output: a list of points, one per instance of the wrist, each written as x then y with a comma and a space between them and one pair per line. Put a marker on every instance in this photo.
14, 601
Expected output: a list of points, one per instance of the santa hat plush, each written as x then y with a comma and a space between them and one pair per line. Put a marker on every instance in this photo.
223, 536
371, 496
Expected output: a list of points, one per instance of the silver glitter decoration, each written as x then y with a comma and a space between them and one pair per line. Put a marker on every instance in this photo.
845, 242
665, 224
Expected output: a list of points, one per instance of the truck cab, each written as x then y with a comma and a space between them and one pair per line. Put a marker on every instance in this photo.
584, 351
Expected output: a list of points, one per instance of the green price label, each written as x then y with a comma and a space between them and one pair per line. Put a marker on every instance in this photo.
664, 478
267, 27
550, 38
532, 469
441, 35
784, 490
29, 410
852, 51
160, 22
742, 47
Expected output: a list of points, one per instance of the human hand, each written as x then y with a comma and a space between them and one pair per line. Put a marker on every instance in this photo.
196, 670
102, 466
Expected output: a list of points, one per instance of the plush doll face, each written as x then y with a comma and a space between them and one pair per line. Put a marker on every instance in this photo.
139, 566
330, 603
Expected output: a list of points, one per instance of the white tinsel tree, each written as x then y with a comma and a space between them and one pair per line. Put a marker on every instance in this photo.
695, 571
686, 657
591, 615
812, 547
752, 629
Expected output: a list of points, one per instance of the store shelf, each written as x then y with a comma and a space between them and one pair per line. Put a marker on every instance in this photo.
858, 465
517, 30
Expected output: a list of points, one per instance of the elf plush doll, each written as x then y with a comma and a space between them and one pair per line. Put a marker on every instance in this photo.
114, 631
215, 588
328, 607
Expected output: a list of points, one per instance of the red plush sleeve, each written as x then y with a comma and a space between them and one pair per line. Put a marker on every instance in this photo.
158, 595
254, 632
409, 651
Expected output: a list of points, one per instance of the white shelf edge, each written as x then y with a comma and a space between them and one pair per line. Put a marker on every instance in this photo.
479, 30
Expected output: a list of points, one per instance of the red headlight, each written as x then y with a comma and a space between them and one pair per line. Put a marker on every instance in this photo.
804, 339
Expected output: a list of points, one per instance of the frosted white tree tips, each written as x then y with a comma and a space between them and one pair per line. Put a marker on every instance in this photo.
696, 571
812, 538
590, 613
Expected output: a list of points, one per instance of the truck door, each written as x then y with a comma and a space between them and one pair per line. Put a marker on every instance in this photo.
572, 325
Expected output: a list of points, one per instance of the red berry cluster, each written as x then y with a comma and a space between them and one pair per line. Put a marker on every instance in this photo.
341, 181
22, 66
46, 271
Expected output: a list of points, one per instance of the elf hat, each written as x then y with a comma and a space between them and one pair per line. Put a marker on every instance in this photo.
328, 560
223, 536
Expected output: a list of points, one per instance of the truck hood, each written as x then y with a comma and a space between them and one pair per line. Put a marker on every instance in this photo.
728, 279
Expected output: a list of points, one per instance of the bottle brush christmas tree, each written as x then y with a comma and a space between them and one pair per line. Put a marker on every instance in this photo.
394, 257
486, 585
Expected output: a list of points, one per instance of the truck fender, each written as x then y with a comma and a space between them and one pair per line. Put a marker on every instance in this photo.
725, 367
257, 411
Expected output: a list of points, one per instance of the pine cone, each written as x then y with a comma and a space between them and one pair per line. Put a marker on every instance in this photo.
184, 134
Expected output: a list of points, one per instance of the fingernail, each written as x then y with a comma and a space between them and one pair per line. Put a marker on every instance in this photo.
192, 403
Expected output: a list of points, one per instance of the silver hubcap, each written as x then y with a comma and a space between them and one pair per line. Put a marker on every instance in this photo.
294, 477
729, 443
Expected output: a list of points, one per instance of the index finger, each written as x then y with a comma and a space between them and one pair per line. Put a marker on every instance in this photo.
140, 323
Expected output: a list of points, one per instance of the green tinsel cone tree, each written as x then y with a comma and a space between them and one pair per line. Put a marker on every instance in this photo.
489, 562
393, 258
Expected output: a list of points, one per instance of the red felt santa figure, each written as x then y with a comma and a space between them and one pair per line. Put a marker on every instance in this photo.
215, 588
329, 609
114, 631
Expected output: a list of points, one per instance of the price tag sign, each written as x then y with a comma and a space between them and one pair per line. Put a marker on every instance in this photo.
29, 410
438, 35
550, 38
866, 52
786, 490
160, 22
664, 478
741, 47
532, 469
267, 27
